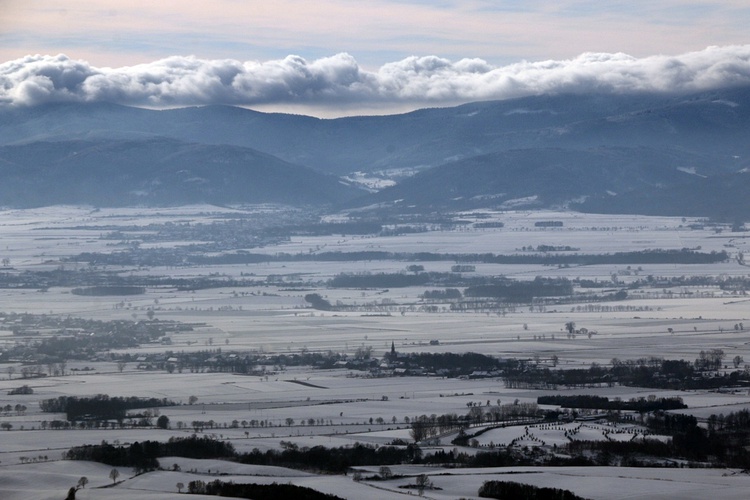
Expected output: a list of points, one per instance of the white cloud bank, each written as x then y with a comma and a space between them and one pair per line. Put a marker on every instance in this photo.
340, 81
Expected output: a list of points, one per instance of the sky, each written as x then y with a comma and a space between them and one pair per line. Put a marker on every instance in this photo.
338, 57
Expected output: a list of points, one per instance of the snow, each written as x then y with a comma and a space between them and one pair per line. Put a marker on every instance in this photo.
278, 320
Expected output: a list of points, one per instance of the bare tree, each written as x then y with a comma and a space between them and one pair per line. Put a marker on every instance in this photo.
736, 361
113, 475
418, 430
83, 482
423, 481
179, 487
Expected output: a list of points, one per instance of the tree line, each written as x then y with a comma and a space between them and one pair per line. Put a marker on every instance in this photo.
523, 291
256, 491
338, 460
99, 407
642, 405
645, 372
518, 491
156, 257
144, 456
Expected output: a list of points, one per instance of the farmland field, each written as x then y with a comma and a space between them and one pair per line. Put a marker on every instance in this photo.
263, 309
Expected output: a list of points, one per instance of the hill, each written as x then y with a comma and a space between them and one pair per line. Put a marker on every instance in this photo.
156, 171
641, 153
710, 123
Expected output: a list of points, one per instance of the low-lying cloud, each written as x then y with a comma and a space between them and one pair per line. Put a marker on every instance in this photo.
340, 81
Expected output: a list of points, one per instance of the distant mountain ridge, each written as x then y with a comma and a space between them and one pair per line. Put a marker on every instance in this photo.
588, 151
156, 171
549, 175
715, 122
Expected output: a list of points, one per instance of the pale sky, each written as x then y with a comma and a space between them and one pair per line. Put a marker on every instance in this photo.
344, 56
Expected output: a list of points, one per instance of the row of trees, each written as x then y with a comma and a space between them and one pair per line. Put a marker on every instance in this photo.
256, 491
523, 291
100, 407
425, 427
143, 456
19, 408
519, 491
643, 405
645, 372
649, 256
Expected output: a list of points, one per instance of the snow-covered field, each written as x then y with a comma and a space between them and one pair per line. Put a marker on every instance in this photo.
51, 480
276, 319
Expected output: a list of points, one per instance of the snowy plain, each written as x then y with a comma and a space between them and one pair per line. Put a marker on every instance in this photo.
278, 320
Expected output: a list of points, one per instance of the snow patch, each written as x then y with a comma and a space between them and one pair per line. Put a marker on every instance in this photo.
691, 171
522, 111
488, 196
369, 182
519, 202
726, 102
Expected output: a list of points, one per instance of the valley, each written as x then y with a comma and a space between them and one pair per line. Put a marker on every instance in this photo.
241, 318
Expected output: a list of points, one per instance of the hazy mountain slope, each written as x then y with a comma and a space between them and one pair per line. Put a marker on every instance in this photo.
721, 196
556, 149
156, 171
711, 123
553, 176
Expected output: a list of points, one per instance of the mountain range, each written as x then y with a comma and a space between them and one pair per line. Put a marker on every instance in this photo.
632, 153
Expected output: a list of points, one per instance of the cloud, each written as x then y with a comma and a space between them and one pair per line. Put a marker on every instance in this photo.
340, 81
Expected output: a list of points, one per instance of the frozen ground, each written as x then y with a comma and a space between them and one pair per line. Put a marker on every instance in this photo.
50, 481
277, 319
